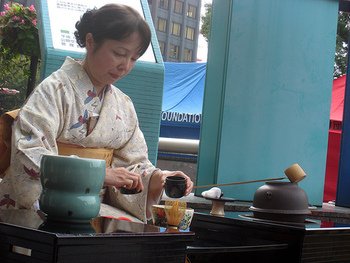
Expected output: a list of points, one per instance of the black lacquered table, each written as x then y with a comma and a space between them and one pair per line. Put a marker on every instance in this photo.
25, 236
239, 237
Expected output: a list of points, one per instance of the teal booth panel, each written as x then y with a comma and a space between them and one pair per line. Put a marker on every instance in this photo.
276, 63
144, 84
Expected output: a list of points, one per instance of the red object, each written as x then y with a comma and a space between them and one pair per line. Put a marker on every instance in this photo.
124, 218
110, 217
338, 94
336, 118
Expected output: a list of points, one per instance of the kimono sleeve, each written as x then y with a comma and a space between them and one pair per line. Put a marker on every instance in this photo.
34, 134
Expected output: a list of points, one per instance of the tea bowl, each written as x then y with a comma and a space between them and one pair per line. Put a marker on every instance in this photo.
159, 217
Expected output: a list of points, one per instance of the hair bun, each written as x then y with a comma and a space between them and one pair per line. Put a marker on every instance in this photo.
84, 26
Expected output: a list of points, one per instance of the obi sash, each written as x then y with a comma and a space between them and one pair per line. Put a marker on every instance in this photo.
6, 121
66, 149
86, 152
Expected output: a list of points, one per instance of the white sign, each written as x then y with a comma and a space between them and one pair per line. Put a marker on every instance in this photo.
64, 14
181, 117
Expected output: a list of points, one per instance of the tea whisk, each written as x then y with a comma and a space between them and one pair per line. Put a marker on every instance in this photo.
174, 211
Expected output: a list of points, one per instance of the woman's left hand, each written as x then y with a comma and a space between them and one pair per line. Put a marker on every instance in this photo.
189, 183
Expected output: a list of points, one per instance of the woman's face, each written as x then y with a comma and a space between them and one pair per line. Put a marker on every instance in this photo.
112, 60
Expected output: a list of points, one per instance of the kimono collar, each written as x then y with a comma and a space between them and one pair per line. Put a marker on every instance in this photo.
78, 77
82, 84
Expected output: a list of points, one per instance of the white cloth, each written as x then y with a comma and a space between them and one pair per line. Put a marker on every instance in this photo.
213, 193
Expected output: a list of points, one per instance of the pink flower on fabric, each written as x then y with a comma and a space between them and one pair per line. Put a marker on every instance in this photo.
81, 119
34, 22
31, 172
16, 18
3, 14
7, 201
32, 8
22, 22
91, 94
7, 7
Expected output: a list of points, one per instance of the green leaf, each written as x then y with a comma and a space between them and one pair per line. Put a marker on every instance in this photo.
30, 36
21, 35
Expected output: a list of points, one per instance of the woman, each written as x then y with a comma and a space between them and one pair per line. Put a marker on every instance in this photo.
60, 109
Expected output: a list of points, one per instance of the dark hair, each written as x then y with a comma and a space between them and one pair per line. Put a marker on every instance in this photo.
112, 21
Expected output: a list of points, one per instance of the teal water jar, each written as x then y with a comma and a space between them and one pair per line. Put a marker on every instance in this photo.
71, 187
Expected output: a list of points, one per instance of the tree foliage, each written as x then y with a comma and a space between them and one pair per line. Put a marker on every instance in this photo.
205, 29
13, 78
14, 72
19, 31
19, 38
341, 49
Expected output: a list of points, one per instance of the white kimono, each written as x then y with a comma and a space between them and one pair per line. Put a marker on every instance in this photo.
58, 110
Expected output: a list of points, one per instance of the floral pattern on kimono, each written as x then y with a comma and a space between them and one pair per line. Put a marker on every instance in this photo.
57, 110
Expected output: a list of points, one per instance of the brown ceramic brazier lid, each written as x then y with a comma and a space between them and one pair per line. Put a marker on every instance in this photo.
280, 201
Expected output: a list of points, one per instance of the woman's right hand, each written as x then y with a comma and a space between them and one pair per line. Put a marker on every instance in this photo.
121, 177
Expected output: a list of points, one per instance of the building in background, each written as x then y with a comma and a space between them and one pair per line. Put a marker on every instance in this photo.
177, 26
176, 23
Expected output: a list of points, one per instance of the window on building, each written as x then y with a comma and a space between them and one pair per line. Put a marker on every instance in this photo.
191, 11
161, 46
163, 4
175, 29
187, 55
161, 24
178, 6
189, 33
174, 51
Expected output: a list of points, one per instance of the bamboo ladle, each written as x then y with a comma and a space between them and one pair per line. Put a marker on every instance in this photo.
294, 173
